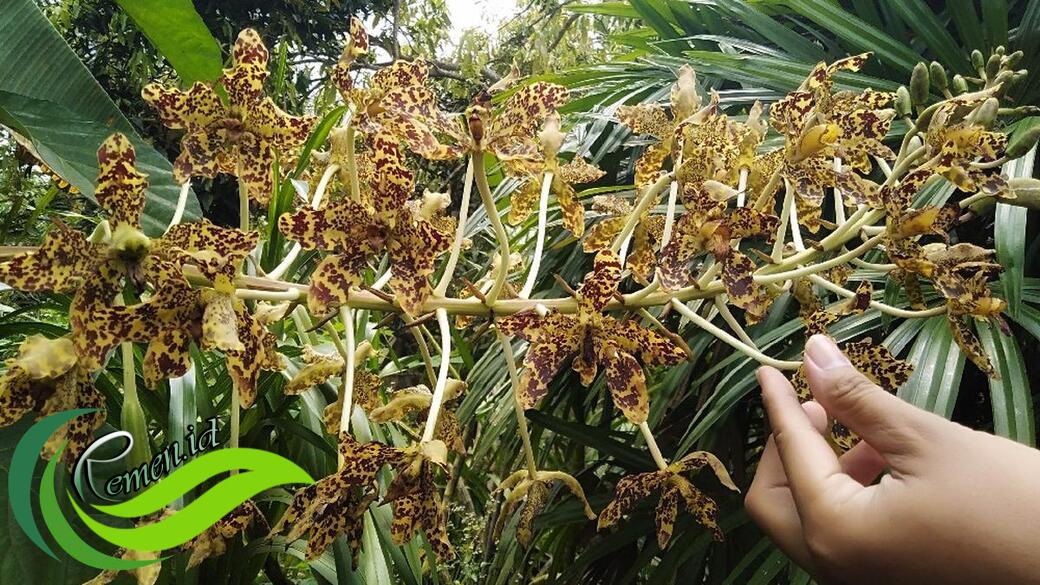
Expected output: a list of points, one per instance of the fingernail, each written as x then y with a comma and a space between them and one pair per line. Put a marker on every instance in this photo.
824, 353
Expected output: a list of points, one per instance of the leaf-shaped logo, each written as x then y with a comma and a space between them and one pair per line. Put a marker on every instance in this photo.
258, 471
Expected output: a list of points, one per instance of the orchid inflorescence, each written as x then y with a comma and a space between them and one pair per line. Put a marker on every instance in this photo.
728, 193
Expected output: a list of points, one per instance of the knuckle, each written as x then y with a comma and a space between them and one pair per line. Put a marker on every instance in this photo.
851, 388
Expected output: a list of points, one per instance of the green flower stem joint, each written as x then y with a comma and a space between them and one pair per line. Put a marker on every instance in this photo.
737, 243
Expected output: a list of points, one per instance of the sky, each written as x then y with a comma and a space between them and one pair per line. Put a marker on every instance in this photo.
486, 15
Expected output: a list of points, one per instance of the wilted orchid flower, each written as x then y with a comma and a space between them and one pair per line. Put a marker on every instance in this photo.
564, 177
675, 489
641, 259
653, 120
414, 402
594, 339
242, 137
46, 378
531, 495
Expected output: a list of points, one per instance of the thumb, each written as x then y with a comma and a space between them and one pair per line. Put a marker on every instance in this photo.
897, 430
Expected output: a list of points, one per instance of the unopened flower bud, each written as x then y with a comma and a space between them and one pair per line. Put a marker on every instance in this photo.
959, 85
1022, 141
903, 103
977, 60
993, 66
1012, 60
986, 113
1025, 192
476, 124
919, 84
1000, 50
938, 74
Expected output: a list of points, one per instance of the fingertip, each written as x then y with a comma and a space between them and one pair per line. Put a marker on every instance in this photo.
817, 415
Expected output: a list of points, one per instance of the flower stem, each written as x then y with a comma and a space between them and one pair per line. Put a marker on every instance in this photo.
733, 341
781, 231
424, 351
651, 444
820, 267
352, 170
742, 186
521, 421
496, 222
347, 315
882, 307
315, 203
649, 198
539, 244
442, 378
182, 202
460, 231
730, 320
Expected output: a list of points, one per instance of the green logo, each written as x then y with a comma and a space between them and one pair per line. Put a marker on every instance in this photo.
258, 471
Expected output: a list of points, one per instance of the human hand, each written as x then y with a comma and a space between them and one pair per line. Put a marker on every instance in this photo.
956, 506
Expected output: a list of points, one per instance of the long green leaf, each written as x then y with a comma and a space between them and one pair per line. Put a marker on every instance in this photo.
48, 96
931, 30
938, 366
179, 33
1009, 231
966, 18
857, 34
1010, 395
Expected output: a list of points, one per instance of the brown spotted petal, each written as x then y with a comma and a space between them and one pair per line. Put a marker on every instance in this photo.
600, 285
646, 119
244, 81
861, 302
553, 345
525, 111
194, 109
319, 369
214, 541
417, 505
570, 208
579, 171
120, 187
626, 382
630, 491
970, 344
743, 291
652, 347
700, 506
331, 281
537, 498
285, 132
602, 235
259, 353
254, 159
61, 263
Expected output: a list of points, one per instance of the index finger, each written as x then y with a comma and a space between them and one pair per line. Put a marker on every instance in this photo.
808, 460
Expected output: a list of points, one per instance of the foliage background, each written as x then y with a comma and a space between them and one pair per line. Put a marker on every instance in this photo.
609, 54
